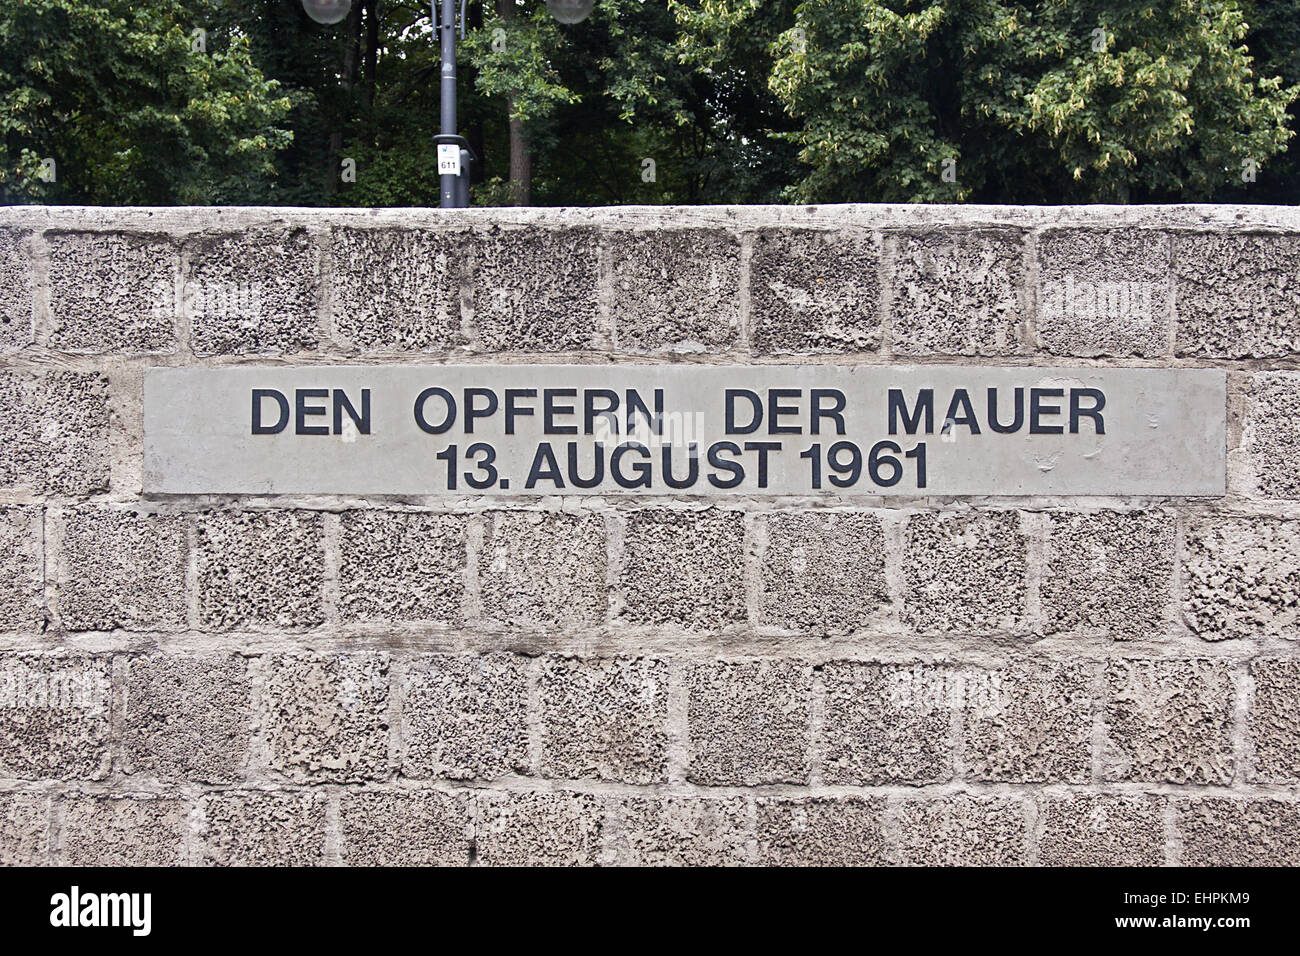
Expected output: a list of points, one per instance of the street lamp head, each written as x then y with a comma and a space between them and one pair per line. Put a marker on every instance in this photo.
327, 11
570, 11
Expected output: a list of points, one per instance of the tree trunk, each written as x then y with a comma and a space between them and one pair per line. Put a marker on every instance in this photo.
351, 54
521, 162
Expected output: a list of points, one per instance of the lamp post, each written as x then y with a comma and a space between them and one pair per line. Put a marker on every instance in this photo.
454, 155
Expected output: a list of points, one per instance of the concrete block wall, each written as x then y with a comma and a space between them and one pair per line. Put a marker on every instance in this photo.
601, 680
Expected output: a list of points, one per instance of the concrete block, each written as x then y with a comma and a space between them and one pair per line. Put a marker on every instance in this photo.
113, 292
253, 292
1269, 436
542, 570
1028, 722
397, 289
261, 568
1241, 577
123, 569
823, 572
405, 828
961, 830
964, 571
604, 719
1104, 292
675, 290
57, 432
683, 567
887, 724
537, 828
679, 831
1094, 830
1225, 831
24, 829
958, 293
401, 566
1273, 724
22, 569
821, 831
263, 828
465, 716
16, 285
187, 717
326, 718
814, 291
1110, 573
1236, 296
122, 831
748, 722
55, 716
1169, 721
535, 289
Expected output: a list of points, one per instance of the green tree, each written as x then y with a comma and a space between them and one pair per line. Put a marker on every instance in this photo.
114, 93
1054, 101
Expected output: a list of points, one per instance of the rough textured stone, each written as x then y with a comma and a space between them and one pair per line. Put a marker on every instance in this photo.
1109, 572
24, 829
262, 568
961, 831
535, 289
54, 716
187, 717
823, 572
748, 722
683, 567
16, 284
887, 724
1274, 722
605, 719
22, 569
675, 290
397, 289
820, 831
1271, 437
56, 432
253, 292
1089, 830
814, 291
264, 828
326, 718
465, 717
544, 570
1236, 295
542, 828
680, 831
113, 292
964, 571
1103, 292
1169, 721
401, 566
1241, 577
122, 569
1029, 722
1231, 832
122, 831
958, 293
405, 828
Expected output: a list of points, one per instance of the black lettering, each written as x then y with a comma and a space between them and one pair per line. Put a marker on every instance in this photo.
512, 410
1016, 422
756, 405
472, 412
898, 409
1037, 409
692, 467
598, 475
545, 456
1099, 402
637, 406
341, 405
283, 403
590, 412
775, 409
300, 425
961, 404
835, 413
735, 468
449, 404
762, 447
642, 468
550, 409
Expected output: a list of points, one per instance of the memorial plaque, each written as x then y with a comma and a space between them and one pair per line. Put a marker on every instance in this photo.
684, 430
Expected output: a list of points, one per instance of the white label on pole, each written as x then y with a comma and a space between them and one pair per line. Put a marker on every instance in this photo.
448, 160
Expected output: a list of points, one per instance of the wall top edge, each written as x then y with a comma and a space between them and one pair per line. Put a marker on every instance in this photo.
856, 215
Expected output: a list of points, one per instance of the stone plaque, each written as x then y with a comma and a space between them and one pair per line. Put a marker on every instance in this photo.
684, 430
